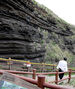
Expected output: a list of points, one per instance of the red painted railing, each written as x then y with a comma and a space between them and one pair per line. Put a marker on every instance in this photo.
41, 79
40, 82
57, 74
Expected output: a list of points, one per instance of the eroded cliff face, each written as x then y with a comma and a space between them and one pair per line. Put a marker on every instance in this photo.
21, 30
18, 34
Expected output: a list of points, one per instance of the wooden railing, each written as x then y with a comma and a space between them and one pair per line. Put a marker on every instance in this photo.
11, 63
56, 75
34, 74
22, 61
40, 82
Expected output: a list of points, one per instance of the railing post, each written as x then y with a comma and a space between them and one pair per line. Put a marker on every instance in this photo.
34, 73
70, 70
41, 81
56, 77
43, 67
9, 63
53, 67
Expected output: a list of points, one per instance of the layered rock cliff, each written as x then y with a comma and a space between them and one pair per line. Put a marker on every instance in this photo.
28, 31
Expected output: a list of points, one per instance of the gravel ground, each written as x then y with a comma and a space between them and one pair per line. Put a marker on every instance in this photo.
63, 83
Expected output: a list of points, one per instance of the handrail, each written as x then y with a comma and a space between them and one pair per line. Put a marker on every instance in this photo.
54, 65
16, 72
54, 86
24, 78
34, 74
26, 62
45, 73
40, 82
63, 79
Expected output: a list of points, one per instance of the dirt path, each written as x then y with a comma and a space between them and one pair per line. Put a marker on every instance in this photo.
52, 78
65, 82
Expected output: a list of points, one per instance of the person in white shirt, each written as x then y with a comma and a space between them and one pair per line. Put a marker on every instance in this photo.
62, 67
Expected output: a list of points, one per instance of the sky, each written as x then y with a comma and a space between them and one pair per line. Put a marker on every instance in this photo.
65, 9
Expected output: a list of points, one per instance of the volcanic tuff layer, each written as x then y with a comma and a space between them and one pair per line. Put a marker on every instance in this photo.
20, 37
17, 31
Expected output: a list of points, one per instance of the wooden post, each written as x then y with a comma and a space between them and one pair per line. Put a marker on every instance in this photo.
43, 67
41, 81
70, 70
53, 67
9, 63
34, 73
56, 77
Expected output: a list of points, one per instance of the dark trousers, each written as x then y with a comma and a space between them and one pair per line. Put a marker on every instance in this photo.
61, 75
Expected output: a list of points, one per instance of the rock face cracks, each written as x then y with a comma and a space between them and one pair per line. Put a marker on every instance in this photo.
19, 34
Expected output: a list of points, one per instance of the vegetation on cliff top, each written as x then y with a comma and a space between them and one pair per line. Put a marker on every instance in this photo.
57, 45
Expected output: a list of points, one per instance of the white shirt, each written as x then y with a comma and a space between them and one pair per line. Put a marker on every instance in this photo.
28, 65
62, 65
